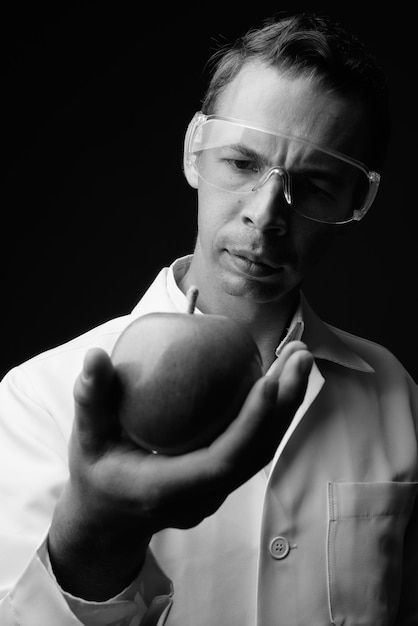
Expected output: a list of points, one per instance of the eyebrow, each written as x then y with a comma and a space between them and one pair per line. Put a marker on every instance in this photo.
244, 150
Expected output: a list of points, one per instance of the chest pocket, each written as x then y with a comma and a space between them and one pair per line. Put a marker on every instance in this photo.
366, 527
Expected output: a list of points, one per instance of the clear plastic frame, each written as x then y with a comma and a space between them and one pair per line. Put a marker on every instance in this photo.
318, 183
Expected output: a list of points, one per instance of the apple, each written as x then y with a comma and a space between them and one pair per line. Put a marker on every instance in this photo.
182, 378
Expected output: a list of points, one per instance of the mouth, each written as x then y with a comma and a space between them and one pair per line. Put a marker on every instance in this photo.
255, 265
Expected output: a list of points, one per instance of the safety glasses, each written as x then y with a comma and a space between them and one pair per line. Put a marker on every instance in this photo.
320, 184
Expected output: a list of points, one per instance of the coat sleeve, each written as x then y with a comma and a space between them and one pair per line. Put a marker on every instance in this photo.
33, 469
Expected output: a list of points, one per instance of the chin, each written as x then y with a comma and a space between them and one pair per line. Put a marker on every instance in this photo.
259, 291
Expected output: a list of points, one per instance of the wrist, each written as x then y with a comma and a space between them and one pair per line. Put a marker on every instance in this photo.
93, 557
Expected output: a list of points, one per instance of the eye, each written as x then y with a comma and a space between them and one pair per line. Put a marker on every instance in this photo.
243, 165
305, 184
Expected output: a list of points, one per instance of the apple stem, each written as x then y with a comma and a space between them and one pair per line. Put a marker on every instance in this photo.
191, 296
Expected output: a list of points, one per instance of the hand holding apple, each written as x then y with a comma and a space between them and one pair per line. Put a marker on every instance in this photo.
118, 495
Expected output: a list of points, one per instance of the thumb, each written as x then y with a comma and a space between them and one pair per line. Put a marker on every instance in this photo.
95, 420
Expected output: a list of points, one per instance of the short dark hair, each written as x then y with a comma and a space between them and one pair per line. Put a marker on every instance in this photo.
315, 46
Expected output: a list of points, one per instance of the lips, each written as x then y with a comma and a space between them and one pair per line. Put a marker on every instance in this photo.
259, 260
257, 265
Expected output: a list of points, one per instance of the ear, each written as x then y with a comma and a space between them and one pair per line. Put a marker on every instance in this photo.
189, 165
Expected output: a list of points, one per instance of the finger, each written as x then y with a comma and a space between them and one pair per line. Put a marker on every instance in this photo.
252, 439
278, 365
184, 489
93, 397
295, 375
201, 472
248, 443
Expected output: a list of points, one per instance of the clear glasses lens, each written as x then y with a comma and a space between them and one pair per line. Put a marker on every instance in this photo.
318, 185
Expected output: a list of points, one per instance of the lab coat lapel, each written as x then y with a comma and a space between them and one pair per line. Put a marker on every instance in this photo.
315, 383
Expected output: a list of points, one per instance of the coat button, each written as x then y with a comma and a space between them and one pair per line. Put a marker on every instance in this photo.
279, 547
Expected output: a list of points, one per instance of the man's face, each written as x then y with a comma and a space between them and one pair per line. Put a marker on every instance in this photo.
255, 245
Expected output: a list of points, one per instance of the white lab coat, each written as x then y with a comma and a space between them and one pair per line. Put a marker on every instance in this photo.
327, 535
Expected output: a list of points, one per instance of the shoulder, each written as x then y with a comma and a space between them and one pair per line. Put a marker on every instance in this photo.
41, 389
60, 365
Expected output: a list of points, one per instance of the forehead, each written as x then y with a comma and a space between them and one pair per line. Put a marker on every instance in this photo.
295, 105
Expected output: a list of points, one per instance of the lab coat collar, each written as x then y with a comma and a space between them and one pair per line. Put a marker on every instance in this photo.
325, 342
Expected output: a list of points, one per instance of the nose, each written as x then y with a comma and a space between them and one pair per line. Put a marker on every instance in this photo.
267, 207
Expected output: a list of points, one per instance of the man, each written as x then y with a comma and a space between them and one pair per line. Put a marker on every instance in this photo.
304, 511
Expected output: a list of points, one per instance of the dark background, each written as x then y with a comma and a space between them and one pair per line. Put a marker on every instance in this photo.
96, 99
